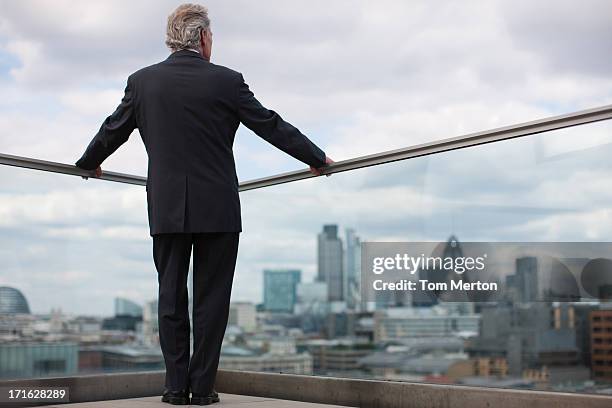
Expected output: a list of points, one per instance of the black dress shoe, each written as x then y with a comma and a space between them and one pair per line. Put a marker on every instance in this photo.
199, 399
176, 397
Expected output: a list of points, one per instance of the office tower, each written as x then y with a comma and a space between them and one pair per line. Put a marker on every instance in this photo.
312, 306
601, 339
352, 273
529, 336
312, 298
12, 301
128, 316
436, 274
312, 292
243, 315
125, 307
526, 280
280, 289
582, 324
330, 255
150, 323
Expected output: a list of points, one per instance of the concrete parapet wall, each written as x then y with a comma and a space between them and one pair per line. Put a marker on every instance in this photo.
323, 390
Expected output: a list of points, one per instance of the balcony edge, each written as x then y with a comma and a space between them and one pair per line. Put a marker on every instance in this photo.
316, 389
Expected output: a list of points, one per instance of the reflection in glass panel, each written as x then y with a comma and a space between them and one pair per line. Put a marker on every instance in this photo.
79, 286
545, 188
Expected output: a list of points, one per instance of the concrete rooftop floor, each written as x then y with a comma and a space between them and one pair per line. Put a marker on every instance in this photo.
227, 400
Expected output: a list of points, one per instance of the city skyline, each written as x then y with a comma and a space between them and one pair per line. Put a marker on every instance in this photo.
127, 304
521, 283
515, 342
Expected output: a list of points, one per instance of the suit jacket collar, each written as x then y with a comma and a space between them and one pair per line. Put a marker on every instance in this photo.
185, 53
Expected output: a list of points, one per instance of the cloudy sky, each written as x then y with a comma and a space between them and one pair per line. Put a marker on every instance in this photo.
357, 78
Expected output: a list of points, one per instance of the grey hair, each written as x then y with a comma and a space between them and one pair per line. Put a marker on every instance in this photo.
184, 26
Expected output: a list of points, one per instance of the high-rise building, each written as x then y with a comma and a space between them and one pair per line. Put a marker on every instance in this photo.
150, 323
125, 307
12, 301
435, 274
352, 265
526, 280
280, 289
330, 269
312, 305
601, 344
243, 315
312, 292
582, 323
528, 336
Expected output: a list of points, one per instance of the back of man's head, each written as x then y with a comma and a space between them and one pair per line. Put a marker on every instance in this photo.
185, 26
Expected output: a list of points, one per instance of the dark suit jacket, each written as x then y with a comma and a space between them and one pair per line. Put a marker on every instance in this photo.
187, 111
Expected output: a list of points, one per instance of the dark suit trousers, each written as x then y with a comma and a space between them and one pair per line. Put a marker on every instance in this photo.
214, 260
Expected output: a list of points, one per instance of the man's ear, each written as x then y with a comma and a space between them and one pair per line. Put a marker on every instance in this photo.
202, 39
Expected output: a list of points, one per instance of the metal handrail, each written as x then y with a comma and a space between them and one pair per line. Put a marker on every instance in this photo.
439, 146
55, 167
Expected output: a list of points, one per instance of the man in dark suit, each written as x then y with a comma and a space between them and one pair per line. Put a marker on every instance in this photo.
187, 111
